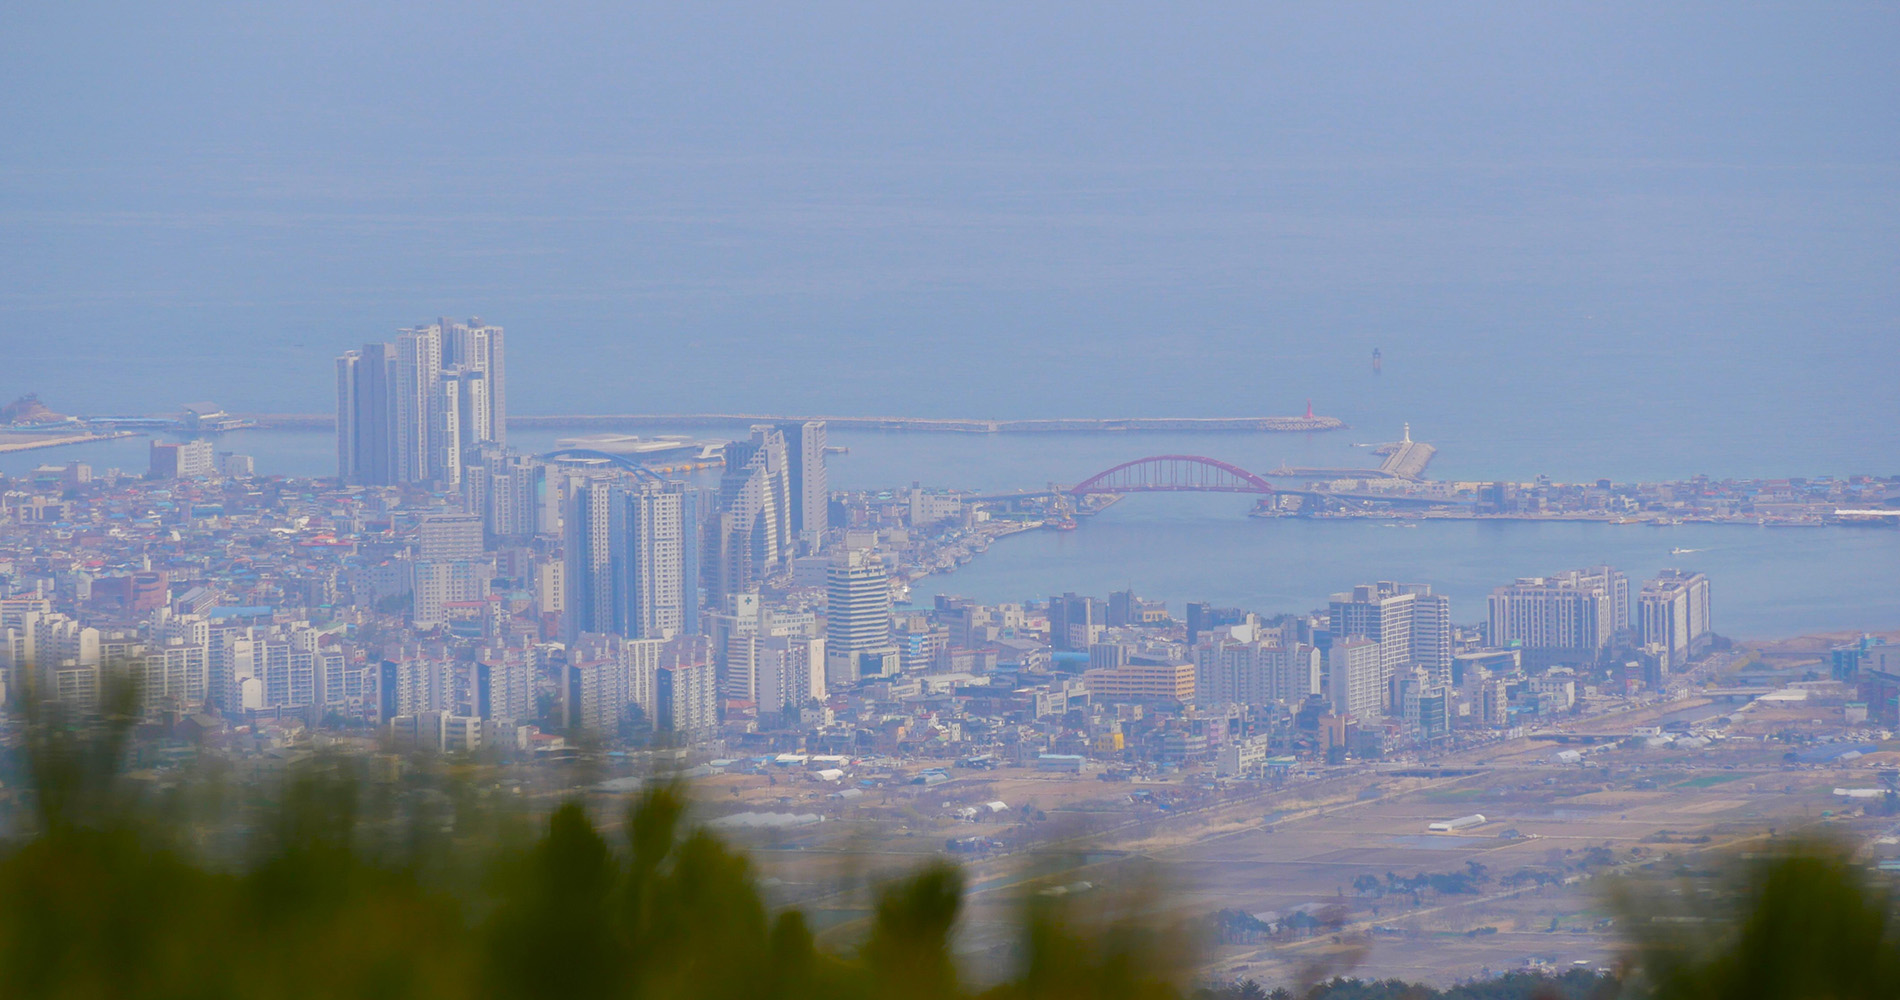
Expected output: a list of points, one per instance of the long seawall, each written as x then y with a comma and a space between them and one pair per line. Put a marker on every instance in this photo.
953, 425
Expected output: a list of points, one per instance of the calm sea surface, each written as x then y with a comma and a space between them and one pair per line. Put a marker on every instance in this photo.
1179, 548
1586, 245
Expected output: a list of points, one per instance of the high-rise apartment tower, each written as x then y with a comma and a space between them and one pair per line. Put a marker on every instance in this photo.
415, 410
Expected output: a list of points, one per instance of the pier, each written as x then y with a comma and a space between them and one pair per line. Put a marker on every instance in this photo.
1408, 459
1404, 459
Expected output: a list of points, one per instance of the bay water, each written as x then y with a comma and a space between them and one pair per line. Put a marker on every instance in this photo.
1766, 581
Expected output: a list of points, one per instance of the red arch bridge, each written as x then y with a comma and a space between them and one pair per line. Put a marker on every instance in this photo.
1174, 474
1200, 474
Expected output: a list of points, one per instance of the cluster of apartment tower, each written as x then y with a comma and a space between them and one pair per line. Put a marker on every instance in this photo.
184, 658
639, 553
416, 410
1389, 650
652, 574
1585, 616
1379, 642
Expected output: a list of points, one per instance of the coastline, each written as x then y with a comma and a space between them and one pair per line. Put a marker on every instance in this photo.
1747, 521
1771, 583
942, 567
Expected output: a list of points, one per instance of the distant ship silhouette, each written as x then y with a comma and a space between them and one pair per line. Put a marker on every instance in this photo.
1378, 360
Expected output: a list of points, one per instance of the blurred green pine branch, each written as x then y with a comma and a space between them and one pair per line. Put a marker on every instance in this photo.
333, 885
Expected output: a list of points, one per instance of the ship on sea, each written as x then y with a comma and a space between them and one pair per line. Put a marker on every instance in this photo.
1378, 360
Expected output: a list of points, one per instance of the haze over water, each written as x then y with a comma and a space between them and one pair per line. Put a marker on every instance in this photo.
1639, 245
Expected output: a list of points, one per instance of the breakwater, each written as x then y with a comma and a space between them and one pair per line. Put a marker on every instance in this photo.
951, 425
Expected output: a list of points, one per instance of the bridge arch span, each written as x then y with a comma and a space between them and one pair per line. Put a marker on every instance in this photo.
1173, 474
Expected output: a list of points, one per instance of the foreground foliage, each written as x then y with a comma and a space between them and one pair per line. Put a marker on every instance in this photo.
1806, 920
335, 885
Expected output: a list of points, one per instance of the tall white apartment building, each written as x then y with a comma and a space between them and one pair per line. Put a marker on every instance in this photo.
1411, 624
741, 632
183, 460
1236, 667
176, 675
1355, 681
808, 486
366, 415
290, 674
686, 697
476, 349
437, 584
606, 674
1570, 617
587, 558
857, 614
504, 688
59, 657
655, 539
631, 559
736, 632
790, 673
513, 494
417, 398
414, 683
754, 538
1673, 613
415, 410
1617, 586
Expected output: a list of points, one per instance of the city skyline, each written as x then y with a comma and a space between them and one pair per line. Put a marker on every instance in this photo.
1209, 501
642, 556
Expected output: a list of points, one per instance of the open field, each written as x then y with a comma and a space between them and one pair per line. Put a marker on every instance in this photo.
1349, 844
1552, 835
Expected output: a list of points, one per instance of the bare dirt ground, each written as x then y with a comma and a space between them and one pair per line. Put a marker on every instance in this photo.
1556, 836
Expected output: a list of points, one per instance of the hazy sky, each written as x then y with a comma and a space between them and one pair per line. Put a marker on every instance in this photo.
1687, 213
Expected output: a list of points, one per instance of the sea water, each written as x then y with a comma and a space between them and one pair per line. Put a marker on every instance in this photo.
1766, 581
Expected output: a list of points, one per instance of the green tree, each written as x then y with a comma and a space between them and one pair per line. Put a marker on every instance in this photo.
1805, 921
